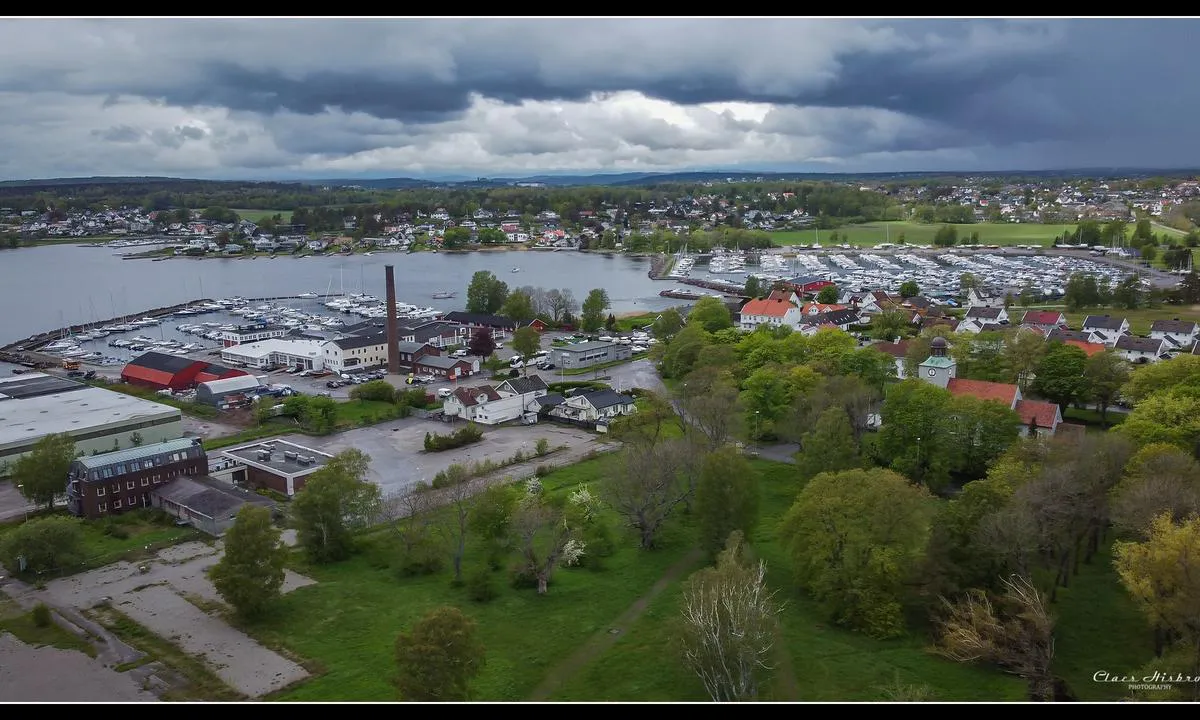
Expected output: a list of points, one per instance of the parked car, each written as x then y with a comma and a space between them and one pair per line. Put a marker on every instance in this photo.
459, 353
76, 374
445, 392
333, 384
547, 366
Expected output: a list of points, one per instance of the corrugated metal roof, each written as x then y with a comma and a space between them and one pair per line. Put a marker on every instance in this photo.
242, 382
135, 453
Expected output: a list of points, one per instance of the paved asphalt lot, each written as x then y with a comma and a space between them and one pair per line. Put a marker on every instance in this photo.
399, 460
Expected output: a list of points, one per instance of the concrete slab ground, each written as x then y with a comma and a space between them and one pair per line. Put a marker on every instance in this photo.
157, 599
48, 674
399, 460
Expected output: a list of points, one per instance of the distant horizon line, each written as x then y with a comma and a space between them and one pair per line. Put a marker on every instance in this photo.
533, 176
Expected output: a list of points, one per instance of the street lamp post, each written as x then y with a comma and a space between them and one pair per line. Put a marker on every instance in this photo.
919, 457
26, 506
756, 427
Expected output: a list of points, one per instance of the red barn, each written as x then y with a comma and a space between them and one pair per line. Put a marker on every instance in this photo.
538, 325
161, 371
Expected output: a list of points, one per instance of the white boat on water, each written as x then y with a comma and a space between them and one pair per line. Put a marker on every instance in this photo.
516, 269
307, 295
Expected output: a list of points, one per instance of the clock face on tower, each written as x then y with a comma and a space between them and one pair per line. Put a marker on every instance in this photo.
932, 372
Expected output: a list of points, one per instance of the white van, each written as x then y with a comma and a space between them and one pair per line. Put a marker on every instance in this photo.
445, 392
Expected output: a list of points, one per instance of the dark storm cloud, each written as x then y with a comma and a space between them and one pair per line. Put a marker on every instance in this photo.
176, 136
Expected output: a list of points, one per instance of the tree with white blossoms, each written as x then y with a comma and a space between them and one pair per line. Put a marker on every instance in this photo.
545, 534
730, 623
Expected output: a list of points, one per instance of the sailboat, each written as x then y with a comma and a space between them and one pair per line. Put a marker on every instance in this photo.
444, 295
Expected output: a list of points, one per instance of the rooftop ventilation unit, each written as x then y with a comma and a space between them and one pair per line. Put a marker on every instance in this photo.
264, 454
289, 455
305, 459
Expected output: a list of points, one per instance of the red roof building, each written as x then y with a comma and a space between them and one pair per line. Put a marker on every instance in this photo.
161, 371
1088, 347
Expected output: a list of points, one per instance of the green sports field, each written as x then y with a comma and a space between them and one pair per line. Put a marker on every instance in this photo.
922, 233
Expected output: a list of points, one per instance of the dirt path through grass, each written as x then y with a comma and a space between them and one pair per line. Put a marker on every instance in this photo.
604, 639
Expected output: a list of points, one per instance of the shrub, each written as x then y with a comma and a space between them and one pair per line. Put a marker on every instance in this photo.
463, 436
517, 457
423, 559
543, 470
522, 577
542, 447
480, 587
112, 529
380, 390
41, 615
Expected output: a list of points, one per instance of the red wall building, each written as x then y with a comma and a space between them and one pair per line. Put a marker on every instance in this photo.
161, 371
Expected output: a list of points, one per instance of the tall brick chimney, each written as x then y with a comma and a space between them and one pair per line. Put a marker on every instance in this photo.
392, 340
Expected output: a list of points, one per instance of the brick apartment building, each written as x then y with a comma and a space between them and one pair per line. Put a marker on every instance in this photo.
111, 483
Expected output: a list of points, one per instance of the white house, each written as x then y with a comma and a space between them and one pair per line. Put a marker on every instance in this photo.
772, 312
511, 400
898, 351
980, 315
1177, 333
597, 406
982, 298
1140, 350
1105, 329
353, 353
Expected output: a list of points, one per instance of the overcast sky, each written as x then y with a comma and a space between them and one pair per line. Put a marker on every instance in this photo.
308, 98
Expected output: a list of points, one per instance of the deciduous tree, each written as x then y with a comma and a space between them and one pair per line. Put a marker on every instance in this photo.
545, 536
726, 498
1164, 417
250, 573
591, 318
711, 314
828, 295
1151, 378
830, 446
518, 307
730, 624
335, 501
1160, 478
645, 485
855, 539
438, 657
482, 344
48, 543
1060, 376
1106, 373
709, 403
41, 475
667, 323
527, 341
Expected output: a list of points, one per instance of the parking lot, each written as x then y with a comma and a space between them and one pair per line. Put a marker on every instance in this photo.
399, 460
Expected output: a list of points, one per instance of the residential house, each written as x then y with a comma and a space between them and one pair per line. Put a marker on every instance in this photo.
1044, 320
439, 333
980, 315
1105, 329
1141, 350
807, 284
898, 350
598, 406
498, 324
815, 308
512, 399
1176, 333
983, 298
1089, 348
939, 369
841, 319
772, 311
1064, 335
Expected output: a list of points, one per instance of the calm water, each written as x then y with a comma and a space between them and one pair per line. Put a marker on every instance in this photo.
51, 286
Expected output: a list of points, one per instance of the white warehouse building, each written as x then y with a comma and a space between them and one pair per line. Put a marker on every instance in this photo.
304, 354
35, 405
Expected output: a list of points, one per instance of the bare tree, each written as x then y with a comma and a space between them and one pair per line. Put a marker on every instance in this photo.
1016, 633
1010, 538
730, 623
645, 485
1161, 479
560, 303
410, 518
545, 537
710, 404
457, 494
537, 299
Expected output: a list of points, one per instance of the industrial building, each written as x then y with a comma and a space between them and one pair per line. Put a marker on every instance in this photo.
161, 371
35, 405
275, 464
277, 352
215, 391
587, 354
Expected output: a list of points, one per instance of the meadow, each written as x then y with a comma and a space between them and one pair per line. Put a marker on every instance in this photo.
582, 642
256, 216
870, 234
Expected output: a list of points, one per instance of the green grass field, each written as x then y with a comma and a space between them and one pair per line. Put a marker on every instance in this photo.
346, 625
870, 234
256, 216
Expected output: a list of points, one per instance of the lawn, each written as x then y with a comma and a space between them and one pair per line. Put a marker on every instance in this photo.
1139, 319
347, 623
256, 216
1099, 628
922, 233
356, 413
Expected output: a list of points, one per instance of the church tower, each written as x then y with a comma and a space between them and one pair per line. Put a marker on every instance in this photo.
939, 367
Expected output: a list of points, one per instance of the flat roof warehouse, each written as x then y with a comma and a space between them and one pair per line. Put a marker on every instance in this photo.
35, 405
